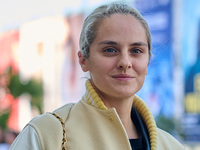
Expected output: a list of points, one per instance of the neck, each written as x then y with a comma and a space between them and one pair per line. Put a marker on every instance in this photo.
123, 108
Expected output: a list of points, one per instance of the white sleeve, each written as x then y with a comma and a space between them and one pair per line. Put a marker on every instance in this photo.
27, 140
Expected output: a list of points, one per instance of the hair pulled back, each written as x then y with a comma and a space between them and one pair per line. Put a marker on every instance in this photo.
92, 22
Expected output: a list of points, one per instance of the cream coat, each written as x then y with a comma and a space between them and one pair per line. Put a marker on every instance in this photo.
89, 125
88, 128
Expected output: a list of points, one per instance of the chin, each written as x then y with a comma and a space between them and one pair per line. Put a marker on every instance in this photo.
125, 94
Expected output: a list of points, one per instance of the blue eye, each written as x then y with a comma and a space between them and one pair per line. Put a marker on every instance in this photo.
110, 50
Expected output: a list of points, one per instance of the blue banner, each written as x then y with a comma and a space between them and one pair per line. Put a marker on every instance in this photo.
191, 67
157, 90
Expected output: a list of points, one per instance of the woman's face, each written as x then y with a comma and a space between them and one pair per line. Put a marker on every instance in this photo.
118, 58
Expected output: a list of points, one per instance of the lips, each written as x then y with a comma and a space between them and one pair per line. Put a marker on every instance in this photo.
123, 77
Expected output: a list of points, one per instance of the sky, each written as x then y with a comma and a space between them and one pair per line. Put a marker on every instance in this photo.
15, 12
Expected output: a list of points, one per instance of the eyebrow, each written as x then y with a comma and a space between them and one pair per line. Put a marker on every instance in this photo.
139, 44
107, 42
115, 43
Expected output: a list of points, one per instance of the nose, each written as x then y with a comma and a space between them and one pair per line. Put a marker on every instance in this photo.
124, 62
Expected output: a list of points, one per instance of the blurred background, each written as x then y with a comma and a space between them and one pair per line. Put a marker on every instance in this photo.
39, 68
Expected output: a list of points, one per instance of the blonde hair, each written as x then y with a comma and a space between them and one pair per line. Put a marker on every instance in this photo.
91, 23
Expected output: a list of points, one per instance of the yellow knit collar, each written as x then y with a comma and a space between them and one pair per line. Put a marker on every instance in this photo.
93, 99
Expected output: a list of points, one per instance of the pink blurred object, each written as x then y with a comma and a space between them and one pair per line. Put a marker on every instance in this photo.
8, 41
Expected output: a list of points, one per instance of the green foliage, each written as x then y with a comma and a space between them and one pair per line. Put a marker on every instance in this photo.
37, 101
3, 120
170, 125
167, 124
33, 88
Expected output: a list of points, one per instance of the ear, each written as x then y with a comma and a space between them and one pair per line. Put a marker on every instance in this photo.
83, 62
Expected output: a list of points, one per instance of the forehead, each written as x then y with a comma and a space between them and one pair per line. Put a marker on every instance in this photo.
119, 25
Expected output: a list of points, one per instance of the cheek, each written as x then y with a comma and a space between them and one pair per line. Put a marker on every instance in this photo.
101, 64
96, 68
141, 69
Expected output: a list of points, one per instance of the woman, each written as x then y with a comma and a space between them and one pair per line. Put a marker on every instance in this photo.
115, 45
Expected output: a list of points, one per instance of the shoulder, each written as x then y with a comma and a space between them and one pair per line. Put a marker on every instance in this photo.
27, 139
165, 140
47, 125
47, 118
